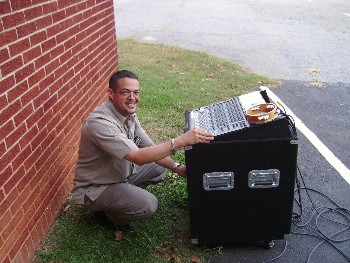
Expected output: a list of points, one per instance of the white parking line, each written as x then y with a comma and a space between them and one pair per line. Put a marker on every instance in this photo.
328, 155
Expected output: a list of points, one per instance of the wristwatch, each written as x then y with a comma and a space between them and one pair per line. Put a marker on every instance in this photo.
175, 166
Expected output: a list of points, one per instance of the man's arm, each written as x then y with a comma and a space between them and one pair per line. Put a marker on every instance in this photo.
157, 152
167, 162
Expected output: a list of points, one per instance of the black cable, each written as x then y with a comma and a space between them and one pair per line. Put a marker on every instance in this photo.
324, 237
333, 221
323, 240
330, 240
297, 218
280, 255
291, 121
299, 188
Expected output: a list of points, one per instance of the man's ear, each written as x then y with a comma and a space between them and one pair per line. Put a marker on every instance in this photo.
110, 93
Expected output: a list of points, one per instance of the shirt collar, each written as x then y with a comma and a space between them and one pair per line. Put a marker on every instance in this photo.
117, 114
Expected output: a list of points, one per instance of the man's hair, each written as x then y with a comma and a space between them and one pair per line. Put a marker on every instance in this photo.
113, 81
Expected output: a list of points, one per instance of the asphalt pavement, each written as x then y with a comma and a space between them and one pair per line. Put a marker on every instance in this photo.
305, 45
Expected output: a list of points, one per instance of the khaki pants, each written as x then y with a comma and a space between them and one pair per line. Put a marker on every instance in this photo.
125, 202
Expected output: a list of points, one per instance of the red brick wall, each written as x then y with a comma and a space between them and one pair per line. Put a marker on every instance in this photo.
55, 61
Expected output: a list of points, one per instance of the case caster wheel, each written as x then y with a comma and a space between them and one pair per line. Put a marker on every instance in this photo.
268, 244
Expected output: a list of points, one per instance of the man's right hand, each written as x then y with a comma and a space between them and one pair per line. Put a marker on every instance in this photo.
193, 136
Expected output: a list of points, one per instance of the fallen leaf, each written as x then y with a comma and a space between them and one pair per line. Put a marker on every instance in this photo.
118, 235
219, 248
195, 259
172, 258
316, 84
313, 70
66, 209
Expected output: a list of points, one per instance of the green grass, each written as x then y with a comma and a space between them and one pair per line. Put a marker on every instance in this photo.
172, 80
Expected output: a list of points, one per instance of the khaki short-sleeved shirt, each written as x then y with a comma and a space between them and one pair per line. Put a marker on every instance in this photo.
106, 137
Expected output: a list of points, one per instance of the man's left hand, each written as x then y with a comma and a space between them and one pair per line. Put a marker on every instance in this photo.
181, 170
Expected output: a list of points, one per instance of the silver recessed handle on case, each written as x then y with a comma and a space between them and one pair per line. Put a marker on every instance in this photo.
264, 178
218, 181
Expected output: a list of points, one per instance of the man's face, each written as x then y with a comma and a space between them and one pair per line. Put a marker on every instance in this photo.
126, 98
